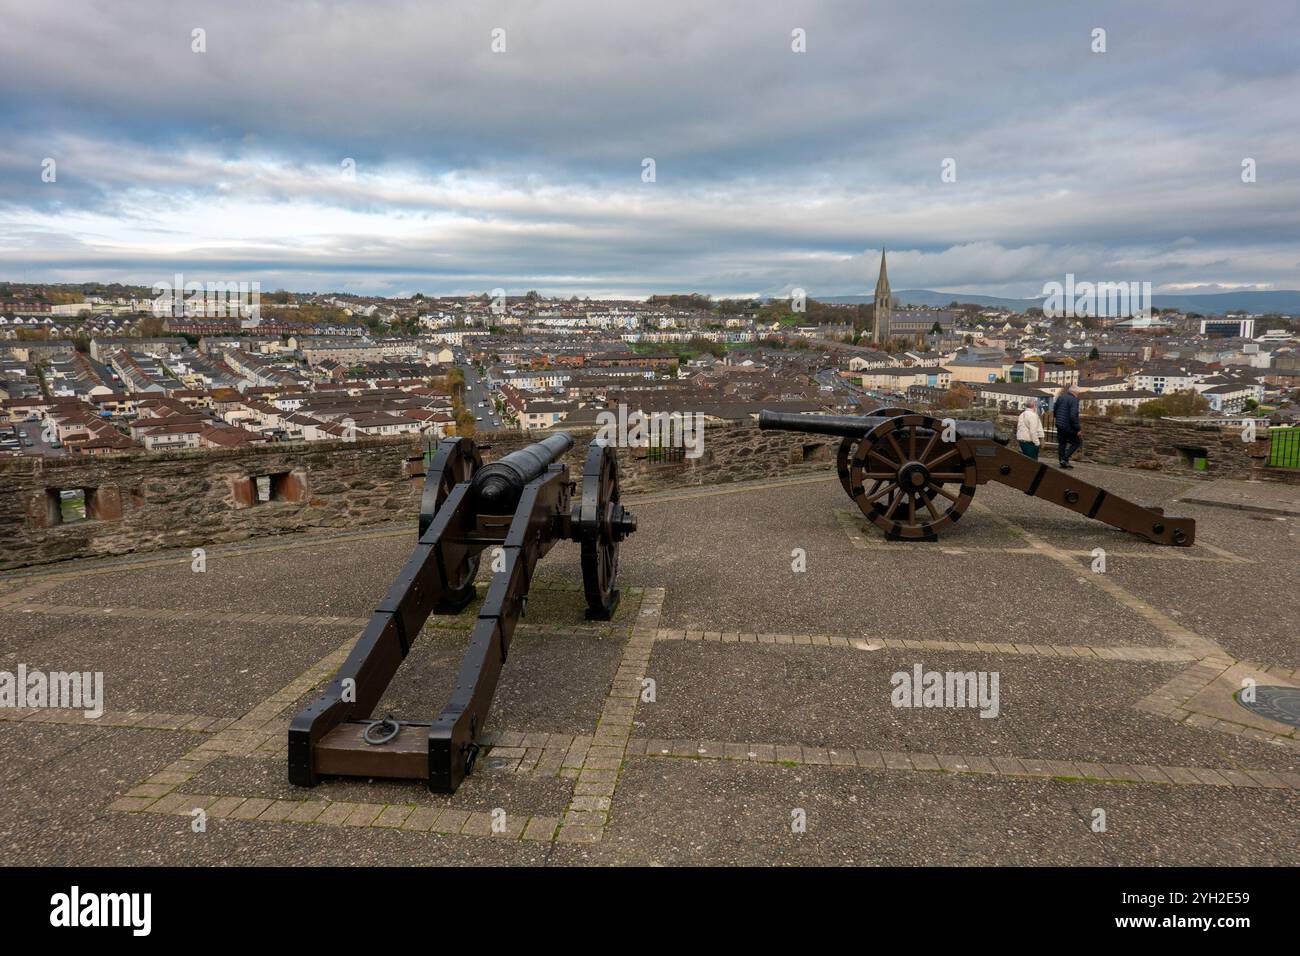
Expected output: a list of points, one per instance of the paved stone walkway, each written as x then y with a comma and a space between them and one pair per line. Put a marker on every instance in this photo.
638, 740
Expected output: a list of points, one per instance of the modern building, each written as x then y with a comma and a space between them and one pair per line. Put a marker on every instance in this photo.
1224, 327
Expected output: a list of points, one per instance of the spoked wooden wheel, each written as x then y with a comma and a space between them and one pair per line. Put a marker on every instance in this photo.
455, 460
601, 524
846, 454
909, 481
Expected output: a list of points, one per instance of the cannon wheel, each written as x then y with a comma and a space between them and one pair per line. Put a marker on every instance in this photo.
846, 455
601, 524
454, 461
908, 472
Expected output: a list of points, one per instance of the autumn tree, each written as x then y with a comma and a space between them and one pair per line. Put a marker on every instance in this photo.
1176, 404
958, 396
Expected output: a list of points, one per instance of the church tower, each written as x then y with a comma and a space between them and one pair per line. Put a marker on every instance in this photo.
884, 306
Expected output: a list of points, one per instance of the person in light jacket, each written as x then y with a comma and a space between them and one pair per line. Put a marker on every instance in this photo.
1029, 431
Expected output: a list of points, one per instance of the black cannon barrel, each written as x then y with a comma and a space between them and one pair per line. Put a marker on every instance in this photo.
498, 485
855, 426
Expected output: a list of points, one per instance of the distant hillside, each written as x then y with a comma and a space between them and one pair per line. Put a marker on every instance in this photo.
1217, 303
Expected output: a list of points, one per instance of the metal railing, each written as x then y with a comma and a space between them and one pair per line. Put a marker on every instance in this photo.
1284, 447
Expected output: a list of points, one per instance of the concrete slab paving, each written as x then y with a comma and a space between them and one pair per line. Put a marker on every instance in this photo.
1269, 497
685, 812
177, 666
826, 697
747, 657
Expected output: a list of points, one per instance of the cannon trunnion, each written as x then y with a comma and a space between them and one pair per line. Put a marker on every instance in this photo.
522, 505
913, 475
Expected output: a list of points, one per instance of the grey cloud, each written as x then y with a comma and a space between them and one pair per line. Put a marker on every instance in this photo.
773, 168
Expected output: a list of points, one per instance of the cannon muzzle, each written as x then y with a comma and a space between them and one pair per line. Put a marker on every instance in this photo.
854, 426
499, 485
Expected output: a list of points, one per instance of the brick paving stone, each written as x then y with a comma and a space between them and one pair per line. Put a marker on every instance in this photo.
1237, 778
224, 807
1062, 768
843, 758
870, 758
816, 757
250, 809
478, 824
896, 761
450, 821
168, 804
580, 835
392, 816
364, 814
952, 763
600, 804
584, 818
1008, 765
336, 814
593, 788
1152, 774
1208, 776
979, 764
1179, 774
278, 811
762, 753
1120, 772
1092, 770
924, 761
420, 820
514, 827
787, 753
541, 829
307, 811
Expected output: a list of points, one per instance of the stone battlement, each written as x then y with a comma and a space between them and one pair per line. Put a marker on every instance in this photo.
190, 499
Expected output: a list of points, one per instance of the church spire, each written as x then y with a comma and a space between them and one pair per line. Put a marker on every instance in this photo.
883, 304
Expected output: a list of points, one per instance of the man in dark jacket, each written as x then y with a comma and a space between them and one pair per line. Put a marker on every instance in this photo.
1069, 431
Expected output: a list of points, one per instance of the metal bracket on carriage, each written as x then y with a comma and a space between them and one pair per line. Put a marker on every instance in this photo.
523, 504
912, 477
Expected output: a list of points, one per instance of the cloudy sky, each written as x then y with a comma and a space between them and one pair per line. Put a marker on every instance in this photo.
383, 147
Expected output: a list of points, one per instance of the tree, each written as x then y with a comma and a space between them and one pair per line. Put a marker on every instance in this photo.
1182, 404
465, 423
957, 396
1094, 355
456, 384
